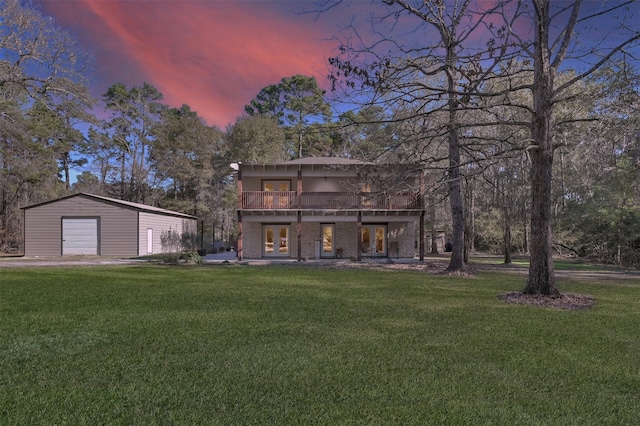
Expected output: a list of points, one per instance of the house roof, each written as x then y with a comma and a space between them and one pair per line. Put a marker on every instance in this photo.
136, 206
325, 161
308, 161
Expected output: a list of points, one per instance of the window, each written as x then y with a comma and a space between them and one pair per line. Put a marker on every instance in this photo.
276, 185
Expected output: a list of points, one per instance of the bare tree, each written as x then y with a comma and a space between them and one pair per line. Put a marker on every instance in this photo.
549, 55
565, 35
437, 79
41, 77
39, 59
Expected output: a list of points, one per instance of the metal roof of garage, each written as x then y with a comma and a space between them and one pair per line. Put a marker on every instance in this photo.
129, 204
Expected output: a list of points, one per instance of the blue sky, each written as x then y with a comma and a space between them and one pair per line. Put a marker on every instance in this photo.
217, 55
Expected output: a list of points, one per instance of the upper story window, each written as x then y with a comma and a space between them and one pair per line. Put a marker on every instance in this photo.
370, 187
276, 185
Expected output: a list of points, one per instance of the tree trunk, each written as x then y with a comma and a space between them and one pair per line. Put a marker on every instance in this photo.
3, 221
65, 168
133, 177
562, 182
469, 231
453, 170
122, 174
507, 236
541, 278
434, 230
472, 218
525, 230
455, 200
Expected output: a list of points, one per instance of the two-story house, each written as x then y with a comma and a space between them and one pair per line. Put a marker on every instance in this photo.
329, 207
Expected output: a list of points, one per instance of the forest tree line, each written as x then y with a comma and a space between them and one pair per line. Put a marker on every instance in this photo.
52, 142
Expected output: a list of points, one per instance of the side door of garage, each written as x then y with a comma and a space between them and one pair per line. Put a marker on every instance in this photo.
80, 236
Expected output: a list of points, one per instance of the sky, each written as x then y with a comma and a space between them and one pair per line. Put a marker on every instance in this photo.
213, 55
216, 55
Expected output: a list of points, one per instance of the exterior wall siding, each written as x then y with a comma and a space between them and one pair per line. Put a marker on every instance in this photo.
43, 227
405, 234
252, 240
310, 234
159, 223
346, 237
323, 185
309, 184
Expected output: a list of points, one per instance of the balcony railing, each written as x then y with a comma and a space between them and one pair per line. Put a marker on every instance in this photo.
271, 200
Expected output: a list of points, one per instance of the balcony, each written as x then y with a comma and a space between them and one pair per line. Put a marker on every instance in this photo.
289, 200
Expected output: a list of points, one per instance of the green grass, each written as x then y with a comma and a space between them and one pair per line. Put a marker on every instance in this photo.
292, 345
559, 264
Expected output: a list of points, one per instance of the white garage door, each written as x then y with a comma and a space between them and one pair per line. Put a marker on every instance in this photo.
80, 236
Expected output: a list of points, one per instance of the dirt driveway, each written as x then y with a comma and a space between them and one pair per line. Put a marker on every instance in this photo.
15, 261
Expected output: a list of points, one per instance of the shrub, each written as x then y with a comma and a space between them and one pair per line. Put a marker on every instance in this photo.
174, 243
171, 241
189, 241
191, 257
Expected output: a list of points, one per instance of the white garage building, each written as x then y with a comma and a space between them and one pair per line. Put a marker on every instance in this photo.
87, 224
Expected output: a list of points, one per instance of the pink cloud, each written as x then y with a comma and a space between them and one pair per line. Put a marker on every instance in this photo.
213, 56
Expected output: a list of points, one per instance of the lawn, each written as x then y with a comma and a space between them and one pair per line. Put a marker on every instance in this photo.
232, 344
558, 264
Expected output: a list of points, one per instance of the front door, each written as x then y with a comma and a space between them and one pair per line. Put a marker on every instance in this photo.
374, 240
276, 240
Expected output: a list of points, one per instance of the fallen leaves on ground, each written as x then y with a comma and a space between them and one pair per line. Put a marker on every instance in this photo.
566, 301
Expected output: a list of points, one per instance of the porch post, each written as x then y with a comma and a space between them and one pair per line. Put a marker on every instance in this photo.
359, 237
422, 203
239, 252
299, 232
299, 227
239, 189
423, 189
422, 235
